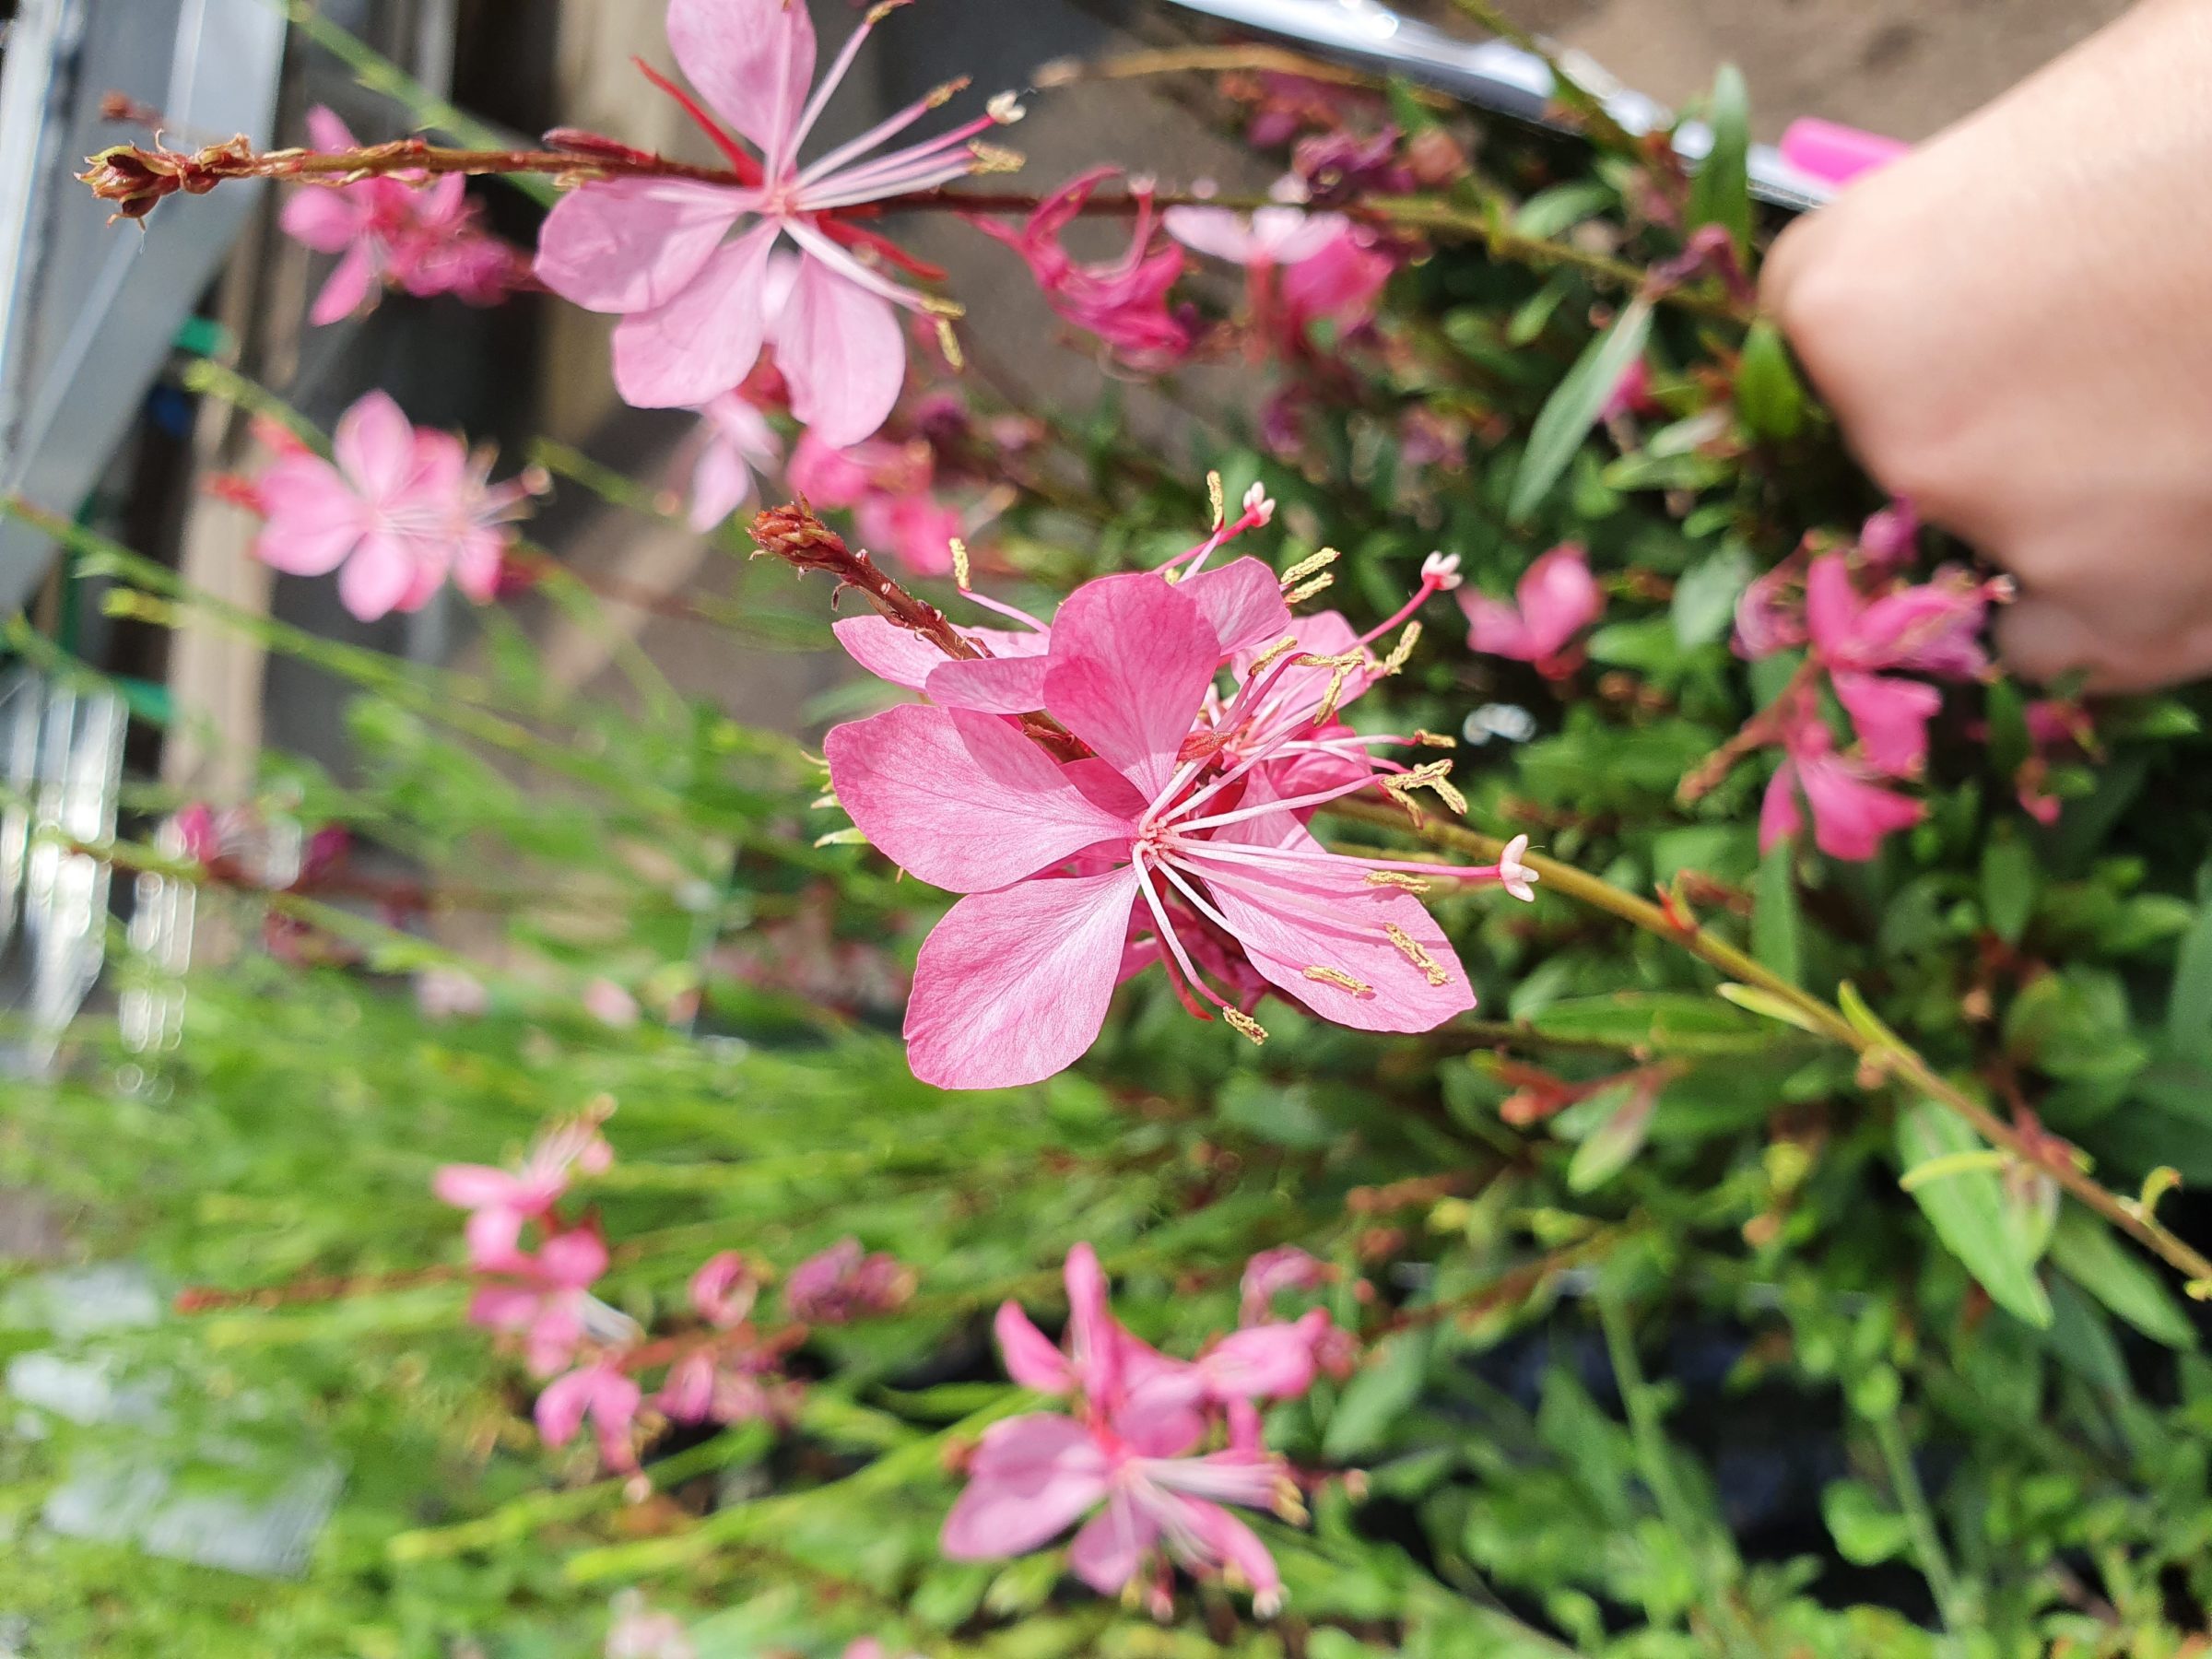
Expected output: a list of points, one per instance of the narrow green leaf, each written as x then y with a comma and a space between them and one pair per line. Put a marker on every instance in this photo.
1863, 1020
2189, 1005
1868, 1532
1765, 1002
1574, 408
1376, 1396
1612, 1145
2009, 885
1722, 193
1967, 1210
1705, 598
2090, 1254
1769, 395
1777, 923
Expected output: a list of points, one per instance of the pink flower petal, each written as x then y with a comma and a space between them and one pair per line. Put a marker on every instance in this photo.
993, 685
890, 651
1031, 1358
1107, 1553
1558, 599
1890, 716
706, 340
1495, 628
1832, 605
633, 244
375, 446
721, 483
1852, 816
349, 289
1243, 602
476, 1186
573, 1260
1216, 231
1269, 1362
324, 219
752, 60
842, 354
561, 1407
379, 578
1030, 1479
314, 518
1132, 659
1779, 815
327, 132
1228, 1541
963, 801
1013, 987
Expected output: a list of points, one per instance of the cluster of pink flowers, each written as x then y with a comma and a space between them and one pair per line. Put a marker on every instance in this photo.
891, 492
419, 236
697, 306
397, 511
1166, 822
536, 1271
1133, 1446
1862, 628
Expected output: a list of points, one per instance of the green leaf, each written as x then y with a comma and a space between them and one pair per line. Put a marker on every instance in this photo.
1967, 1210
1769, 395
2092, 1255
1721, 195
2189, 1006
1766, 1002
1572, 409
1377, 1396
1613, 1144
2009, 882
1705, 597
1563, 206
1777, 924
1868, 1532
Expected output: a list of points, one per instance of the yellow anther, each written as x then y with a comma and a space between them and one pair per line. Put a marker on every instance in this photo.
996, 159
1341, 669
960, 574
1341, 980
937, 307
941, 95
1246, 1025
1403, 654
1219, 496
1272, 655
1436, 775
950, 344
1399, 878
1414, 951
1308, 567
1443, 740
1319, 583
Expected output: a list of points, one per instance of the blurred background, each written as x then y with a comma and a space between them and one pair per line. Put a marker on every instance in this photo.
101, 325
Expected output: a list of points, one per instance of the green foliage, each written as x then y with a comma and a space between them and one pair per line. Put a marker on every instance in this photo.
1732, 1345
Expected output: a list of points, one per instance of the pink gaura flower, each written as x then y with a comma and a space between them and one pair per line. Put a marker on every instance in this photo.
503, 1202
606, 1395
401, 510
1300, 267
1837, 154
733, 446
1058, 856
1852, 813
1891, 537
724, 1289
1631, 393
1130, 1452
696, 306
845, 1283
1272, 1272
1935, 628
548, 1301
1122, 301
424, 237
1557, 599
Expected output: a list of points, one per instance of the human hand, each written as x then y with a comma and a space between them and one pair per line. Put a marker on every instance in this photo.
2014, 325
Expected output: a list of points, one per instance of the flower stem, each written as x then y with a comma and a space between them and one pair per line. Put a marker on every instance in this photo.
1927, 1540
1881, 1049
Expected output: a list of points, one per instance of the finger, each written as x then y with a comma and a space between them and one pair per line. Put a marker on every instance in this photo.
2041, 640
